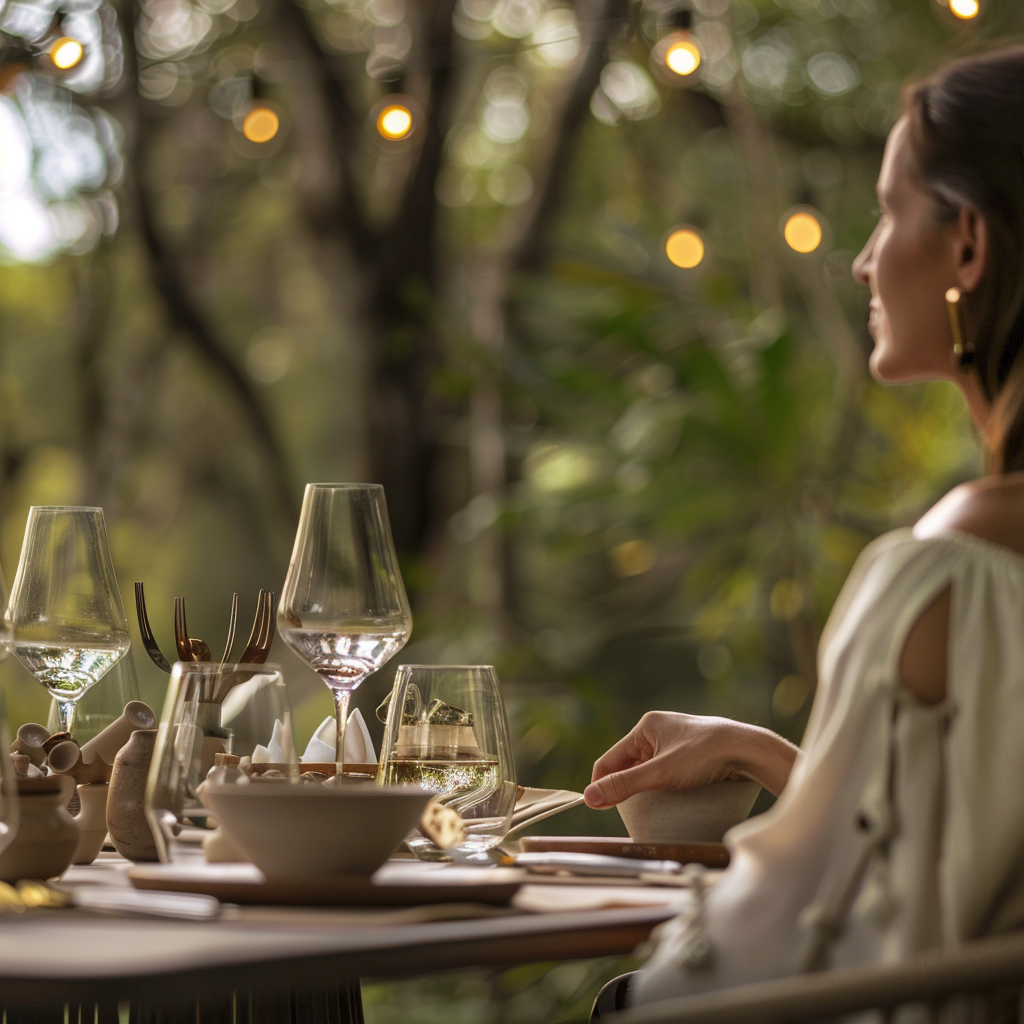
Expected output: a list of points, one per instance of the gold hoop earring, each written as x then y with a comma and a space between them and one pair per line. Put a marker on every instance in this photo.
963, 351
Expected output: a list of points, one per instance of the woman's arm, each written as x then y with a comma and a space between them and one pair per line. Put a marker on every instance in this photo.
668, 750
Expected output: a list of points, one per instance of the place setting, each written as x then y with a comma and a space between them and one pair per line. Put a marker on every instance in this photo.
214, 796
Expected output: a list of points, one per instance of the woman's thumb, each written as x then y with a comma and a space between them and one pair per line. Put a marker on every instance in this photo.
614, 788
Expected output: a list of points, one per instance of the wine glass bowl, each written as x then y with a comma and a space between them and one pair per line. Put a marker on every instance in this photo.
343, 607
65, 619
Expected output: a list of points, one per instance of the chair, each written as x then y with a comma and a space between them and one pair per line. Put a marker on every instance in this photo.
991, 968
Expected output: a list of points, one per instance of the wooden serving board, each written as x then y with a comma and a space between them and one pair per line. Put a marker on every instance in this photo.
394, 885
712, 855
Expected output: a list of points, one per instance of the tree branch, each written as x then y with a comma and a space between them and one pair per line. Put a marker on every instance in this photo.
530, 251
344, 128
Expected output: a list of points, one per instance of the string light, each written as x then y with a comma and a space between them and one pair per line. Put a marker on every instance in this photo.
66, 53
965, 9
803, 232
261, 124
394, 122
685, 248
682, 57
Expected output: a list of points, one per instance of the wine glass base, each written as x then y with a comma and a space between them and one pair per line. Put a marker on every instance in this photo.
423, 849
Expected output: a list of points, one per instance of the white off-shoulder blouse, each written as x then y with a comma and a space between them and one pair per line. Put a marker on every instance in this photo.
902, 826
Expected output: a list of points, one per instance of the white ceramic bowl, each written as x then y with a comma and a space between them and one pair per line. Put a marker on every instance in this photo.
302, 830
701, 815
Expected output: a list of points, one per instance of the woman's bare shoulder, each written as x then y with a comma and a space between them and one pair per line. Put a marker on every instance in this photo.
991, 508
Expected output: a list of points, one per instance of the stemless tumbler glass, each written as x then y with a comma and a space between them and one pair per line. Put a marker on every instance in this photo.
8, 782
343, 607
67, 624
447, 731
212, 709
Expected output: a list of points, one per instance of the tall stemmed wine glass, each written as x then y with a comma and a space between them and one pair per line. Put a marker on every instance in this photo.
343, 607
66, 621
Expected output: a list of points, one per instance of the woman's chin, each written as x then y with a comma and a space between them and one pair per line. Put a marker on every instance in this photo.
886, 367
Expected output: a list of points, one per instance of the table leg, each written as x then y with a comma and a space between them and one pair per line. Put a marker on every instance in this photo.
86, 1013
340, 1004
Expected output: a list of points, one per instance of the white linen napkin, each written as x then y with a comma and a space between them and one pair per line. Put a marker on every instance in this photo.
358, 745
279, 750
533, 805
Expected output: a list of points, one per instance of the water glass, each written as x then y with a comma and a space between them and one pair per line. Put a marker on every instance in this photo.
213, 709
447, 731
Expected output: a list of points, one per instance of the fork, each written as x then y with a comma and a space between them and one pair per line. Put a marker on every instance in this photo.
190, 648
262, 637
148, 640
257, 650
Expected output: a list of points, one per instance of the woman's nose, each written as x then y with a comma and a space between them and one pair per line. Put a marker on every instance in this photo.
862, 264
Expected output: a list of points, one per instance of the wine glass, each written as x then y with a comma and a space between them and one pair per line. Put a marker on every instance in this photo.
343, 607
447, 731
66, 621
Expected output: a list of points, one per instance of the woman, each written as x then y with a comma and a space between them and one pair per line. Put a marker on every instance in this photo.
900, 824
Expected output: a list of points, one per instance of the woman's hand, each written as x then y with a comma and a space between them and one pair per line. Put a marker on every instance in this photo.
668, 750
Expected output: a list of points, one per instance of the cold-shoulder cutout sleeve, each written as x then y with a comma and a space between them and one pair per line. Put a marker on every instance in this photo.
902, 825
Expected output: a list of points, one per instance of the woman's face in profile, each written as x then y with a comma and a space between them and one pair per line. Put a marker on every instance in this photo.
909, 262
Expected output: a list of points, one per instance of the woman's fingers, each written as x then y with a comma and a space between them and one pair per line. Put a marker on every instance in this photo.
625, 754
615, 787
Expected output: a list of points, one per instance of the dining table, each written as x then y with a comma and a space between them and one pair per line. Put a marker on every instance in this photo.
281, 964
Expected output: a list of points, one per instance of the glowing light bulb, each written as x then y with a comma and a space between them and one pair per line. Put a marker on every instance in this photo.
66, 53
395, 122
260, 124
685, 248
683, 57
803, 232
965, 9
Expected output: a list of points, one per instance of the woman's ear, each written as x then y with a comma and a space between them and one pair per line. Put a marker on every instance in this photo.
972, 248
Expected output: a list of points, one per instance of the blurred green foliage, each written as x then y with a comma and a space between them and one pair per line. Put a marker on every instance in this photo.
640, 486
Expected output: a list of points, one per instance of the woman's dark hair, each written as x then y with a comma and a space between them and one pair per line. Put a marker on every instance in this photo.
967, 134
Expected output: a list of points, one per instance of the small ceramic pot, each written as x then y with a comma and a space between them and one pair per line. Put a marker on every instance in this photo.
126, 814
92, 821
700, 815
47, 835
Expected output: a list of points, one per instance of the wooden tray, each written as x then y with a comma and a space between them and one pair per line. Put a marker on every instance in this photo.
394, 885
712, 855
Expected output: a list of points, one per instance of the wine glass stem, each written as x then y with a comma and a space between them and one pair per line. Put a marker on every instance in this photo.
341, 699
66, 710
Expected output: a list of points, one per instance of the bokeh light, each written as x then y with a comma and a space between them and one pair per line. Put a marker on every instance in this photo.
790, 696
395, 122
965, 9
803, 232
683, 57
633, 558
260, 124
685, 248
66, 53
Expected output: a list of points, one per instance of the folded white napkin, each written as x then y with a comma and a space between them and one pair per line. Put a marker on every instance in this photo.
279, 750
533, 805
358, 745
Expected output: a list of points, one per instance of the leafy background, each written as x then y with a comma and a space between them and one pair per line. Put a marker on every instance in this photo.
626, 484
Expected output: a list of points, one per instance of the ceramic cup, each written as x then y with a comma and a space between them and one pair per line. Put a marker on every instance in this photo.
700, 815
